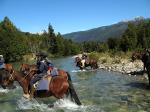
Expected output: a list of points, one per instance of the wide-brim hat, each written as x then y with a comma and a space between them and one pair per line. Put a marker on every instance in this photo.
42, 54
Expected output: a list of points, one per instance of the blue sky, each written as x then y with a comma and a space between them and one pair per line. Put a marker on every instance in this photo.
70, 15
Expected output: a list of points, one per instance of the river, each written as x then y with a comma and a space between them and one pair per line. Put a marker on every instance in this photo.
99, 91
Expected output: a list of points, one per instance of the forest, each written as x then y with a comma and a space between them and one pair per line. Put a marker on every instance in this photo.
14, 43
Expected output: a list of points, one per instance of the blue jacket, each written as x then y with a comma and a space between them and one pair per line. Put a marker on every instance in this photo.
42, 67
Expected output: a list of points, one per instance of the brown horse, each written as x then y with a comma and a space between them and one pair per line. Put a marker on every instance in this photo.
4, 74
139, 56
58, 87
91, 62
26, 68
145, 58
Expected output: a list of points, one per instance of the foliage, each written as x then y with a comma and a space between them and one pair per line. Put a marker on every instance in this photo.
14, 43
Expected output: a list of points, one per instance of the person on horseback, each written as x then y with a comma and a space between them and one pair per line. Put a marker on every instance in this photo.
2, 62
84, 59
42, 65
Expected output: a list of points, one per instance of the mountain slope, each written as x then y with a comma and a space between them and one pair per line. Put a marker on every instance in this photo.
102, 33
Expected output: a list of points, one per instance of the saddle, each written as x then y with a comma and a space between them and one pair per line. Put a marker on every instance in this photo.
43, 84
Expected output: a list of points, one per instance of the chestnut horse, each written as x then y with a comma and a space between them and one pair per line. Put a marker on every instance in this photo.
4, 74
58, 87
26, 68
91, 62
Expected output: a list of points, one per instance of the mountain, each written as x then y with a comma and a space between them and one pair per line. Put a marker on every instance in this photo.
104, 32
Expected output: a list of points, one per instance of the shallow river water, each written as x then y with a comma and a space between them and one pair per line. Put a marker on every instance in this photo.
99, 91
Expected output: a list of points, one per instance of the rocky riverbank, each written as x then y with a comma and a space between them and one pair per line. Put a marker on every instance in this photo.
123, 65
118, 63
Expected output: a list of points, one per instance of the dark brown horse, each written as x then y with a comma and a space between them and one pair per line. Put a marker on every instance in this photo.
90, 62
145, 58
139, 56
58, 87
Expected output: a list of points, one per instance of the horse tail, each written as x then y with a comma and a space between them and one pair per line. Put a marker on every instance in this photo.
72, 91
69, 77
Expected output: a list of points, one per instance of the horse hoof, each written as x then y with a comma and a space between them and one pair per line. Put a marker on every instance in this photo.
27, 96
51, 105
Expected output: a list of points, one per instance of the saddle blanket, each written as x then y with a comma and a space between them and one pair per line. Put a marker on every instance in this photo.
54, 72
43, 84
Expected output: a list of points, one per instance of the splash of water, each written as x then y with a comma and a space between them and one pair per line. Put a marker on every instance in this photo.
66, 103
25, 104
4, 90
69, 106
78, 71
62, 104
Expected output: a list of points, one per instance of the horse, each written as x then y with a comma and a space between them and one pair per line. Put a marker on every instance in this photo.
139, 56
90, 62
58, 87
27, 67
4, 74
145, 58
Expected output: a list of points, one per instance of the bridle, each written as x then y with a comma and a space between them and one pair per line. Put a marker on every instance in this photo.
11, 78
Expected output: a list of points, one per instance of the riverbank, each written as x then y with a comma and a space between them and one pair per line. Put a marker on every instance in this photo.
118, 62
121, 62
120, 65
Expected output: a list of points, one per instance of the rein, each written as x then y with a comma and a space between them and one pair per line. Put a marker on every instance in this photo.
12, 78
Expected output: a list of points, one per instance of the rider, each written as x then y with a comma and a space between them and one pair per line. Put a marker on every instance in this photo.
2, 64
84, 59
42, 64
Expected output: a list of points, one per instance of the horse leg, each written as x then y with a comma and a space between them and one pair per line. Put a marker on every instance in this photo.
26, 92
25, 88
148, 73
27, 96
96, 65
149, 78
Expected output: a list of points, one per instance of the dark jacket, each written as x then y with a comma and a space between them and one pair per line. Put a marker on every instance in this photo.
42, 67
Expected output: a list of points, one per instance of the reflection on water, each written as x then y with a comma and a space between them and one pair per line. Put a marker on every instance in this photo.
99, 91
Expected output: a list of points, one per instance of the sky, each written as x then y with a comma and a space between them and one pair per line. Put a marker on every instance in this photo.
70, 15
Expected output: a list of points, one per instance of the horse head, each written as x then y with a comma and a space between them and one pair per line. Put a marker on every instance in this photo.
5, 76
78, 62
26, 68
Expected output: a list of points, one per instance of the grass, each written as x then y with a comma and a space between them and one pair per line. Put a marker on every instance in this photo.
110, 57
